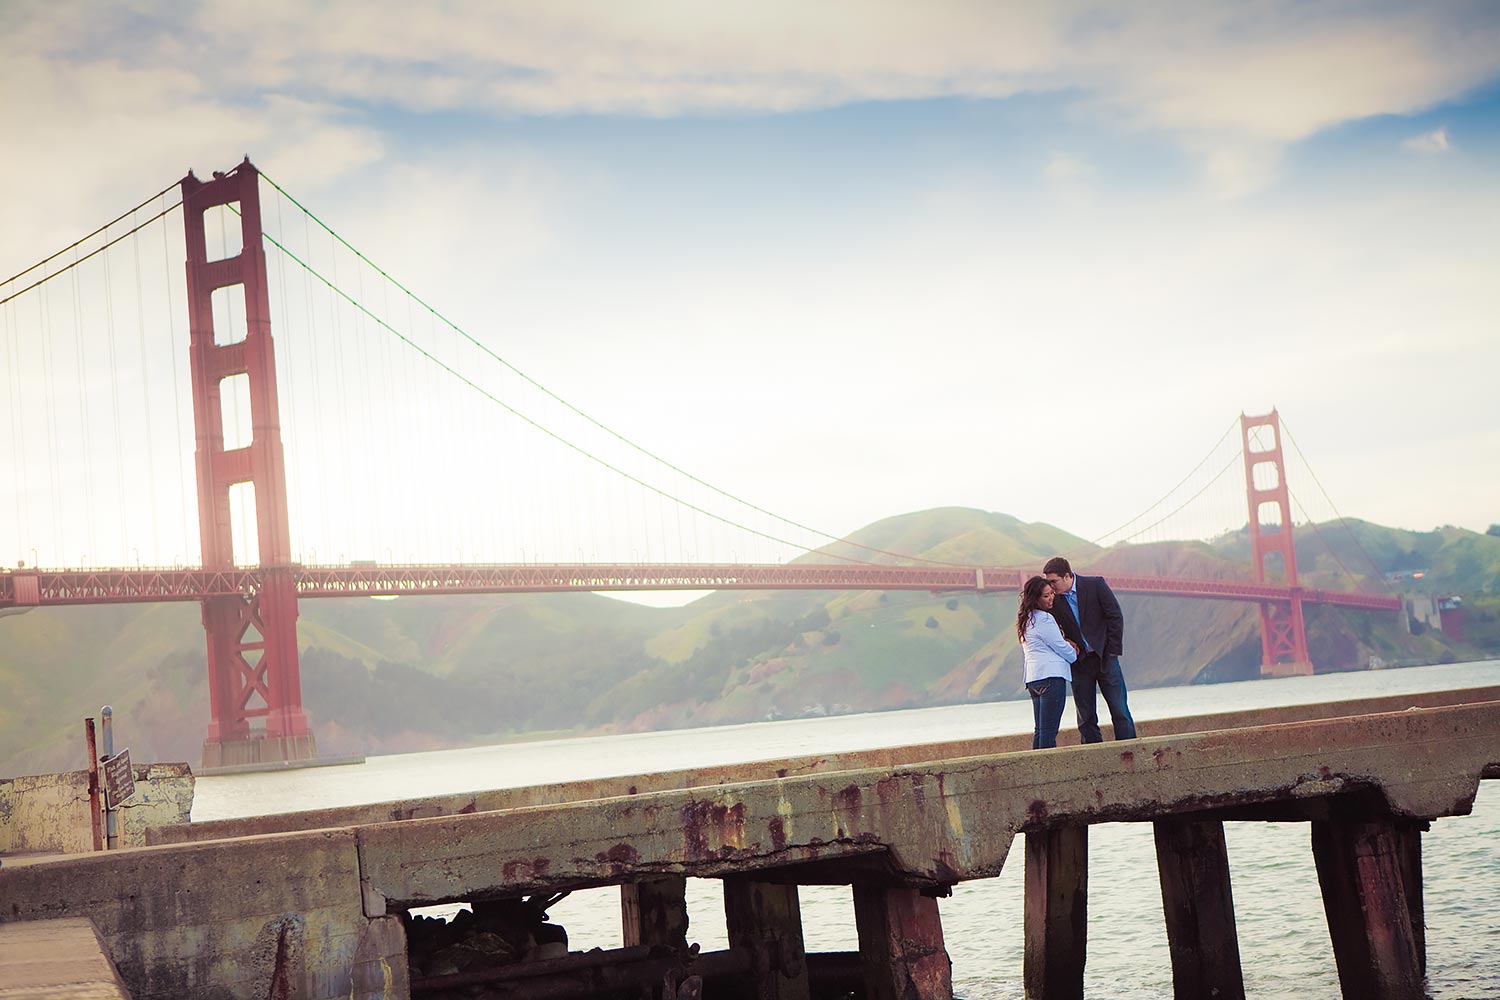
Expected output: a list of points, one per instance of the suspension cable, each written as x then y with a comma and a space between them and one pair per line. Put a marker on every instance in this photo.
90, 236
1202, 462
1201, 490
545, 430
130, 232
1374, 566
580, 413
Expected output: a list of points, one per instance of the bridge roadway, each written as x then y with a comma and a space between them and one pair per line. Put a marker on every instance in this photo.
313, 911
117, 586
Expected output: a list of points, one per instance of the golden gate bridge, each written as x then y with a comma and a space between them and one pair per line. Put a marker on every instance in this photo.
249, 579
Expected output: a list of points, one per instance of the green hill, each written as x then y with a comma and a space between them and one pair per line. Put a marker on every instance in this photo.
430, 672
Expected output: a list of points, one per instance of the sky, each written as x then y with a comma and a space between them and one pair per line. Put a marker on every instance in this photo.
843, 260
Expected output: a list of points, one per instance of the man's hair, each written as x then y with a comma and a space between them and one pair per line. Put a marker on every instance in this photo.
1058, 565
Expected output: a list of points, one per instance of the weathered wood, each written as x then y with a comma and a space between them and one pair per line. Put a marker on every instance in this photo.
655, 912
1194, 867
1057, 893
1369, 917
1409, 847
766, 921
901, 945
581, 974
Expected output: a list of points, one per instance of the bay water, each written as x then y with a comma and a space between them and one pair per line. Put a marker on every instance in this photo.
1284, 946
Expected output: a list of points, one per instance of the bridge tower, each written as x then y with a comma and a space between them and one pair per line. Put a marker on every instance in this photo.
252, 638
1283, 636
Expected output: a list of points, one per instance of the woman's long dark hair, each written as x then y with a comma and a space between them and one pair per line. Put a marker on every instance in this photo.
1031, 600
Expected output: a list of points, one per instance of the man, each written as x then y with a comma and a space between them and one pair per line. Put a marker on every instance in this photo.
1090, 617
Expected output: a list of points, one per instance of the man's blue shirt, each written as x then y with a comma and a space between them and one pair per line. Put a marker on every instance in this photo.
1072, 596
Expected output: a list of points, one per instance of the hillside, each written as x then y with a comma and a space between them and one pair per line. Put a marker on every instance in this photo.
383, 676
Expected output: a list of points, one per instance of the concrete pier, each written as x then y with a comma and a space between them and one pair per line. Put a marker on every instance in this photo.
317, 911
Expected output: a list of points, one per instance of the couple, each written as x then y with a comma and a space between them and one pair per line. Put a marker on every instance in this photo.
1071, 629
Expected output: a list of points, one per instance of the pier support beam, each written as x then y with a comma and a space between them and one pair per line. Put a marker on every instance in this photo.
765, 920
901, 945
1057, 894
1199, 908
655, 913
1360, 869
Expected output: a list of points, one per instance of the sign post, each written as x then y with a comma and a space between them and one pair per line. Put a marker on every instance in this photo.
119, 780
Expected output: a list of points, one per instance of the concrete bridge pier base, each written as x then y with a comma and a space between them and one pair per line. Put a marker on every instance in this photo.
1362, 871
765, 920
901, 947
1194, 867
1057, 893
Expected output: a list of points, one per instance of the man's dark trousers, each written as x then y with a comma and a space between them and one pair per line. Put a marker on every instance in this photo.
1089, 671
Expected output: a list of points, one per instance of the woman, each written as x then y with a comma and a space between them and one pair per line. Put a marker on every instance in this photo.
1047, 657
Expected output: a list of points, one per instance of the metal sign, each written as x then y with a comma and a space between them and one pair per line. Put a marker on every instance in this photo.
118, 777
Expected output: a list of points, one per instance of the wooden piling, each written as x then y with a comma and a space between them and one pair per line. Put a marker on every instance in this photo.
765, 920
655, 913
901, 945
1193, 863
1057, 893
1409, 846
1369, 915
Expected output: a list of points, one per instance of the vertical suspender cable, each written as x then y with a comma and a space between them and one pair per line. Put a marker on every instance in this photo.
287, 357
114, 393
140, 310
183, 444
352, 514
83, 415
17, 426
55, 512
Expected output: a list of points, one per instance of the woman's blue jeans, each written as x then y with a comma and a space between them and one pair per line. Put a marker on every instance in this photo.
1048, 696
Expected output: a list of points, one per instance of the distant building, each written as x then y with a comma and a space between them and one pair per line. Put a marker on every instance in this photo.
1422, 613
1451, 611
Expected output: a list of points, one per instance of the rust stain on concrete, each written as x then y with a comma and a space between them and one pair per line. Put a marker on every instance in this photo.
777, 828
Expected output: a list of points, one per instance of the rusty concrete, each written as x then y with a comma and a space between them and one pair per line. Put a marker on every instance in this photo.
213, 921
938, 822
726, 774
50, 812
207, 921
56, 960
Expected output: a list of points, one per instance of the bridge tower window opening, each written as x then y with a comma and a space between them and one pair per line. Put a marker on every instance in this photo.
1266, 475
224, 232
243, 524
236, 427
1268, 516
229, 315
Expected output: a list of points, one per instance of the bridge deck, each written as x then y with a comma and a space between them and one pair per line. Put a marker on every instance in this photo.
158, 584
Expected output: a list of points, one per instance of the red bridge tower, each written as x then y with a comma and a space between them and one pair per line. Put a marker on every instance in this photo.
1283, 636
252, 638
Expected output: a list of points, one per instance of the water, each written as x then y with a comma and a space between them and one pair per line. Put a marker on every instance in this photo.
1283, 937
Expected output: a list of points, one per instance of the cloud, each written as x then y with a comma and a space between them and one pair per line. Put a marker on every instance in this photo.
1271, 72
1064, 168
1435, 141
